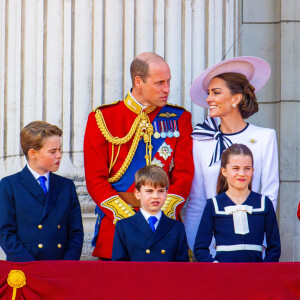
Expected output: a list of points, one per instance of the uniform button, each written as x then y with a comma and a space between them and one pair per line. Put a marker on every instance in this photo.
58, 226
147, 251
163, 251
40, 226
40, 246
59, 246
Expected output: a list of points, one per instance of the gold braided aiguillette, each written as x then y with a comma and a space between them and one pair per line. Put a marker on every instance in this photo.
140, 127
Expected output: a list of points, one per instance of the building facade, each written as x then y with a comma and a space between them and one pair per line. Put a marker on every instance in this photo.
59, 59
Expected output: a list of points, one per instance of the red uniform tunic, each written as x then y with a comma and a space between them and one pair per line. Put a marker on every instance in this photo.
119, 118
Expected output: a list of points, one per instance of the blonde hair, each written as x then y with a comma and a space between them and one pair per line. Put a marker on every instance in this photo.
33, 135
151, 175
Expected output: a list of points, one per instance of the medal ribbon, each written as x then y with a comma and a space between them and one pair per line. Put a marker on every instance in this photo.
138, 160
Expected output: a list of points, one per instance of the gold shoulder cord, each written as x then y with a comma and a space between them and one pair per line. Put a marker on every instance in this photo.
141, 127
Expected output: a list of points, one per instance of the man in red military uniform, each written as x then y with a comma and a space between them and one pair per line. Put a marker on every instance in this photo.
124, 136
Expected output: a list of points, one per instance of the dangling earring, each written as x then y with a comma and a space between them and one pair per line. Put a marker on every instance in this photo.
233, 105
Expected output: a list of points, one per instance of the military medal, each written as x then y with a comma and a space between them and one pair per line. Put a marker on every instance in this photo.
169, 133
163, 133
165, 151
156, 133
176, 132
157, 162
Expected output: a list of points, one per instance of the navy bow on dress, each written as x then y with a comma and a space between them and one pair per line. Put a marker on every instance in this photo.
210, 130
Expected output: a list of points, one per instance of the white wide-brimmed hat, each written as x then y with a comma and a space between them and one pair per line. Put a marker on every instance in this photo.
256, 70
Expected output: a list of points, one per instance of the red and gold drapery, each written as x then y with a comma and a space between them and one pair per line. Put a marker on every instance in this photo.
140, 280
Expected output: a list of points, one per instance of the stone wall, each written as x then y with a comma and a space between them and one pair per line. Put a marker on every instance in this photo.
273, 32
60, 59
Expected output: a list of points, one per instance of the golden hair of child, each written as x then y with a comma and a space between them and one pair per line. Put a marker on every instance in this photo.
151, 175
235, 149
33, 135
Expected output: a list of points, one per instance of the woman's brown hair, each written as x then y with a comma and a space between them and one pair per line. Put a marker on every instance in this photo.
235, 149
239, 84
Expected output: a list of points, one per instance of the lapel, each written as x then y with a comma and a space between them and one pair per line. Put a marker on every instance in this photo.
164, 226
29, 183
54, 189
140, 223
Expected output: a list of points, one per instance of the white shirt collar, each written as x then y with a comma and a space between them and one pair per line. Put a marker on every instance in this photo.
147, 215
36, 175
137, 102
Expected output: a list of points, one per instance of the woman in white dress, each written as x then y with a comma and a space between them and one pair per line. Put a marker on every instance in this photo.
227, 89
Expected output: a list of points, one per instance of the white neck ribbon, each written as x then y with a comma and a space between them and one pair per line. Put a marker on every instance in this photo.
240, 219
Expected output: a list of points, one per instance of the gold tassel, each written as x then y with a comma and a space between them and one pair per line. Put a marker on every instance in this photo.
16, 279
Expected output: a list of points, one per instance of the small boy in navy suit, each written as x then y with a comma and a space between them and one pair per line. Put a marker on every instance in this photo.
149, 235
40, 216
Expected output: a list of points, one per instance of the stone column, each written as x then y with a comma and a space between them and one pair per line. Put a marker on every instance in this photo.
60, 59
290, 129
272, 32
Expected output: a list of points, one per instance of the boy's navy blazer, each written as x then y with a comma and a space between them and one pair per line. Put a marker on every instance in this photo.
135, 241
34, 226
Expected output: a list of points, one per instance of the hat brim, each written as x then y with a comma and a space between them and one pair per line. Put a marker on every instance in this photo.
256, 70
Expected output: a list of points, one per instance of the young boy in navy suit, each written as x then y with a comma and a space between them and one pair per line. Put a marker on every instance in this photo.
40, 216
149, 235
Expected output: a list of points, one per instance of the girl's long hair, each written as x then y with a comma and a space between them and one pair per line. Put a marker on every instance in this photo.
235, 149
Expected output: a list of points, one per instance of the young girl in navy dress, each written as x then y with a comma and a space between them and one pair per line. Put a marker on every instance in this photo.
237, 217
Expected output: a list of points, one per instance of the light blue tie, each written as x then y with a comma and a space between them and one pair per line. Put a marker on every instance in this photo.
42, 180
152, 220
